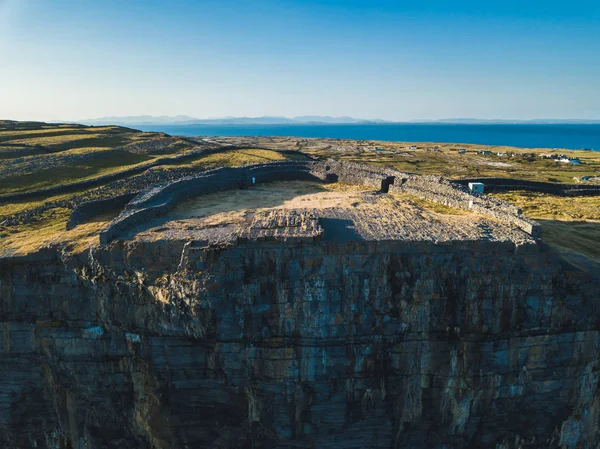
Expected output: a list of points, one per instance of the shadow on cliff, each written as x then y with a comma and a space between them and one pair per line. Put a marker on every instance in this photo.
578, 242
339, 230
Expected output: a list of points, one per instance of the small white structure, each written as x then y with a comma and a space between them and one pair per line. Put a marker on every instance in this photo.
569, 160
476, 187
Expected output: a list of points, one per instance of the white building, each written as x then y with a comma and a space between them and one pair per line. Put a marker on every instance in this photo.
476, 187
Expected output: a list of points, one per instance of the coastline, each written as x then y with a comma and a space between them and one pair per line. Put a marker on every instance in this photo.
553, 136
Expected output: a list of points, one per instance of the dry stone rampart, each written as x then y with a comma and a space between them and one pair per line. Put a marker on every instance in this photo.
440, 190
360, 174
84, 211
160, 199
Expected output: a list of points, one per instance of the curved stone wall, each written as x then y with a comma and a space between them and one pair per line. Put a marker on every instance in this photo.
440, 190
89, 209
160, 199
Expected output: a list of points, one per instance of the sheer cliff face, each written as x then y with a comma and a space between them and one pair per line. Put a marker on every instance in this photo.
304, 345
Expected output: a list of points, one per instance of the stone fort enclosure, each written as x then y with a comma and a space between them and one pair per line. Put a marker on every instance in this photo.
159, 200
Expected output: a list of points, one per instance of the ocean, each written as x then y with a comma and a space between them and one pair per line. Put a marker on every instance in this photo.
567, 136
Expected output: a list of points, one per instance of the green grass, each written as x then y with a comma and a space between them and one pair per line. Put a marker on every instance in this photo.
101, 164
66, 142
50, 229
545, 206
56, 151
237, 158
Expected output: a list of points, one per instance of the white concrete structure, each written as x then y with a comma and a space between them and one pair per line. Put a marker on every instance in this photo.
476, 187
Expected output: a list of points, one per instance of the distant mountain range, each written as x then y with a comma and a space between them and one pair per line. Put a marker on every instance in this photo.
276, 120
186, 120
475, 121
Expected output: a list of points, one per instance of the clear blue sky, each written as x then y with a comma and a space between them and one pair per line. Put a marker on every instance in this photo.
397, 60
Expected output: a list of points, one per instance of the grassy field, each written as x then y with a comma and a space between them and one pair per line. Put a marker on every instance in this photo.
441, 159
37, 155
35, 158
545, 206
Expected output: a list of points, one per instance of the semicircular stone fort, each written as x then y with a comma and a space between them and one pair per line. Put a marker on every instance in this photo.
160, 200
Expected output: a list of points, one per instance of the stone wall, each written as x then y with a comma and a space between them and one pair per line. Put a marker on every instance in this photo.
442, 191
84, 211
361, 174
161, 199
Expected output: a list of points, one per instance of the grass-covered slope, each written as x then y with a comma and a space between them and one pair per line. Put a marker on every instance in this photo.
37, 156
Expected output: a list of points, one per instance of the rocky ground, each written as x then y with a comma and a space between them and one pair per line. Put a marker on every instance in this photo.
344, 213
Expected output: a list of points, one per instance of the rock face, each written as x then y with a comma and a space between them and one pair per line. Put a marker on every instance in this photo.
299, 344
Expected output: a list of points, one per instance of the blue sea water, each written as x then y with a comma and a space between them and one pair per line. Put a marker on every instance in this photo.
568, 136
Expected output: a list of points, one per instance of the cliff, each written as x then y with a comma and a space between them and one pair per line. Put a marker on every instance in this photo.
270, 343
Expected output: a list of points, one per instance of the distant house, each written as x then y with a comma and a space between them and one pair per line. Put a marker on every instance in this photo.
414, 147
485, 152
501, 154
462, 151
476, 187
569, 160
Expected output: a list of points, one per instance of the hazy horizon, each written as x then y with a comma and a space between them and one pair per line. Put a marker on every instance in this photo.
69, 60
181, 119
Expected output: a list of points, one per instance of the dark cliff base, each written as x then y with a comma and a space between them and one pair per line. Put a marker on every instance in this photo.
275, 345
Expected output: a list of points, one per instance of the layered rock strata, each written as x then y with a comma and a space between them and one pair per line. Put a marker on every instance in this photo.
292, 343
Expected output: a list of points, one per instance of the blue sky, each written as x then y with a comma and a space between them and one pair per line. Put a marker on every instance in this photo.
397, 60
